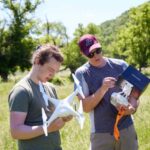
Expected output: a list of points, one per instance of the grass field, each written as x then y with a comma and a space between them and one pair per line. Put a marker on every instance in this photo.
72, 137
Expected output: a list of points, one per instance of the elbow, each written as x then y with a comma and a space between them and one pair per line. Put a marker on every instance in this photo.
87, 107
14, 134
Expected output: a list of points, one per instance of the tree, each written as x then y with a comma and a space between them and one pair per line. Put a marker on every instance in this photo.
140, 36
4, 53
109, 29
55, 33
73, 58
17, 43
132, 42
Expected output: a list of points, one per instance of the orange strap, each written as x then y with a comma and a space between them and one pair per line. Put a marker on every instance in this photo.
116, 130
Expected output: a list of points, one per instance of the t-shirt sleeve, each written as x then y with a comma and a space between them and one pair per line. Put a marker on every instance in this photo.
124, 64
19, 100
121, 62
83, 83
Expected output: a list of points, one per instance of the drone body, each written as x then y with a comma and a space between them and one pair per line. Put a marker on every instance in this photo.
62, 107
122, 97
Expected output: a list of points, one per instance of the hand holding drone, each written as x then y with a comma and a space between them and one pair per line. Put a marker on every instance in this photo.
62, 107
121, 98
132, 83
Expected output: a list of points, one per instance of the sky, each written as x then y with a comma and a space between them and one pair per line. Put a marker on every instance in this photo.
73, 12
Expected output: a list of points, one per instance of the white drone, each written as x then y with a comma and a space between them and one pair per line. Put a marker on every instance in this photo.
122, 97
63, 107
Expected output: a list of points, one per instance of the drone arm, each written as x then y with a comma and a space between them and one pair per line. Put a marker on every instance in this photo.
69, 99
54, 101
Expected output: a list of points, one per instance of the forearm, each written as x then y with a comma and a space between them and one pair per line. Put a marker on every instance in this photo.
26, 132
90, 102
29, 132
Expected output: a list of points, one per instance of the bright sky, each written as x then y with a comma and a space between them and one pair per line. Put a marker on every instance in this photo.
73, 12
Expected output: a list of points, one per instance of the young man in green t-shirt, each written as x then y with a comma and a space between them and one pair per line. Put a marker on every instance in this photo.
26, 101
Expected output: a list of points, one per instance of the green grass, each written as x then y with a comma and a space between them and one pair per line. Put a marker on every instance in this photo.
142, 121
73, 138
6, 143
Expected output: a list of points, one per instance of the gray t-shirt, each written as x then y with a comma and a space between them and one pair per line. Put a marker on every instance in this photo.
104, 114
26, 97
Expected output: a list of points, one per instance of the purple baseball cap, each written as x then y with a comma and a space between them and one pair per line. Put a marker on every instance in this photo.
88, 43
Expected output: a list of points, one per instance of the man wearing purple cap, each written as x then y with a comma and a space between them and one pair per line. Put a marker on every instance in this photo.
97, 78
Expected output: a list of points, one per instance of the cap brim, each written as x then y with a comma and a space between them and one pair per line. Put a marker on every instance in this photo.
94, 46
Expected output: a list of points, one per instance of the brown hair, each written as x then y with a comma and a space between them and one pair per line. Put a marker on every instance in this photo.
45, 52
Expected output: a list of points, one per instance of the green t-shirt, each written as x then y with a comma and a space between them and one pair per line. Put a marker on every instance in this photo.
26, 97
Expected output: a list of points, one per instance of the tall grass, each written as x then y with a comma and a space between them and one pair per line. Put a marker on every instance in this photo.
142, 120
73, 138
6, 143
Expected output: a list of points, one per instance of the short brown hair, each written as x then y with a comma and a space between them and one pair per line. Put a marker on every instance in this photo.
45, 52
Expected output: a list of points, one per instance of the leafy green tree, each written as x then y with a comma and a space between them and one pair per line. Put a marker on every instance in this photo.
4, 53
132, 41
17, 43
55, 33
109, 29
93, 29
73, 58
140, 36
79, 31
